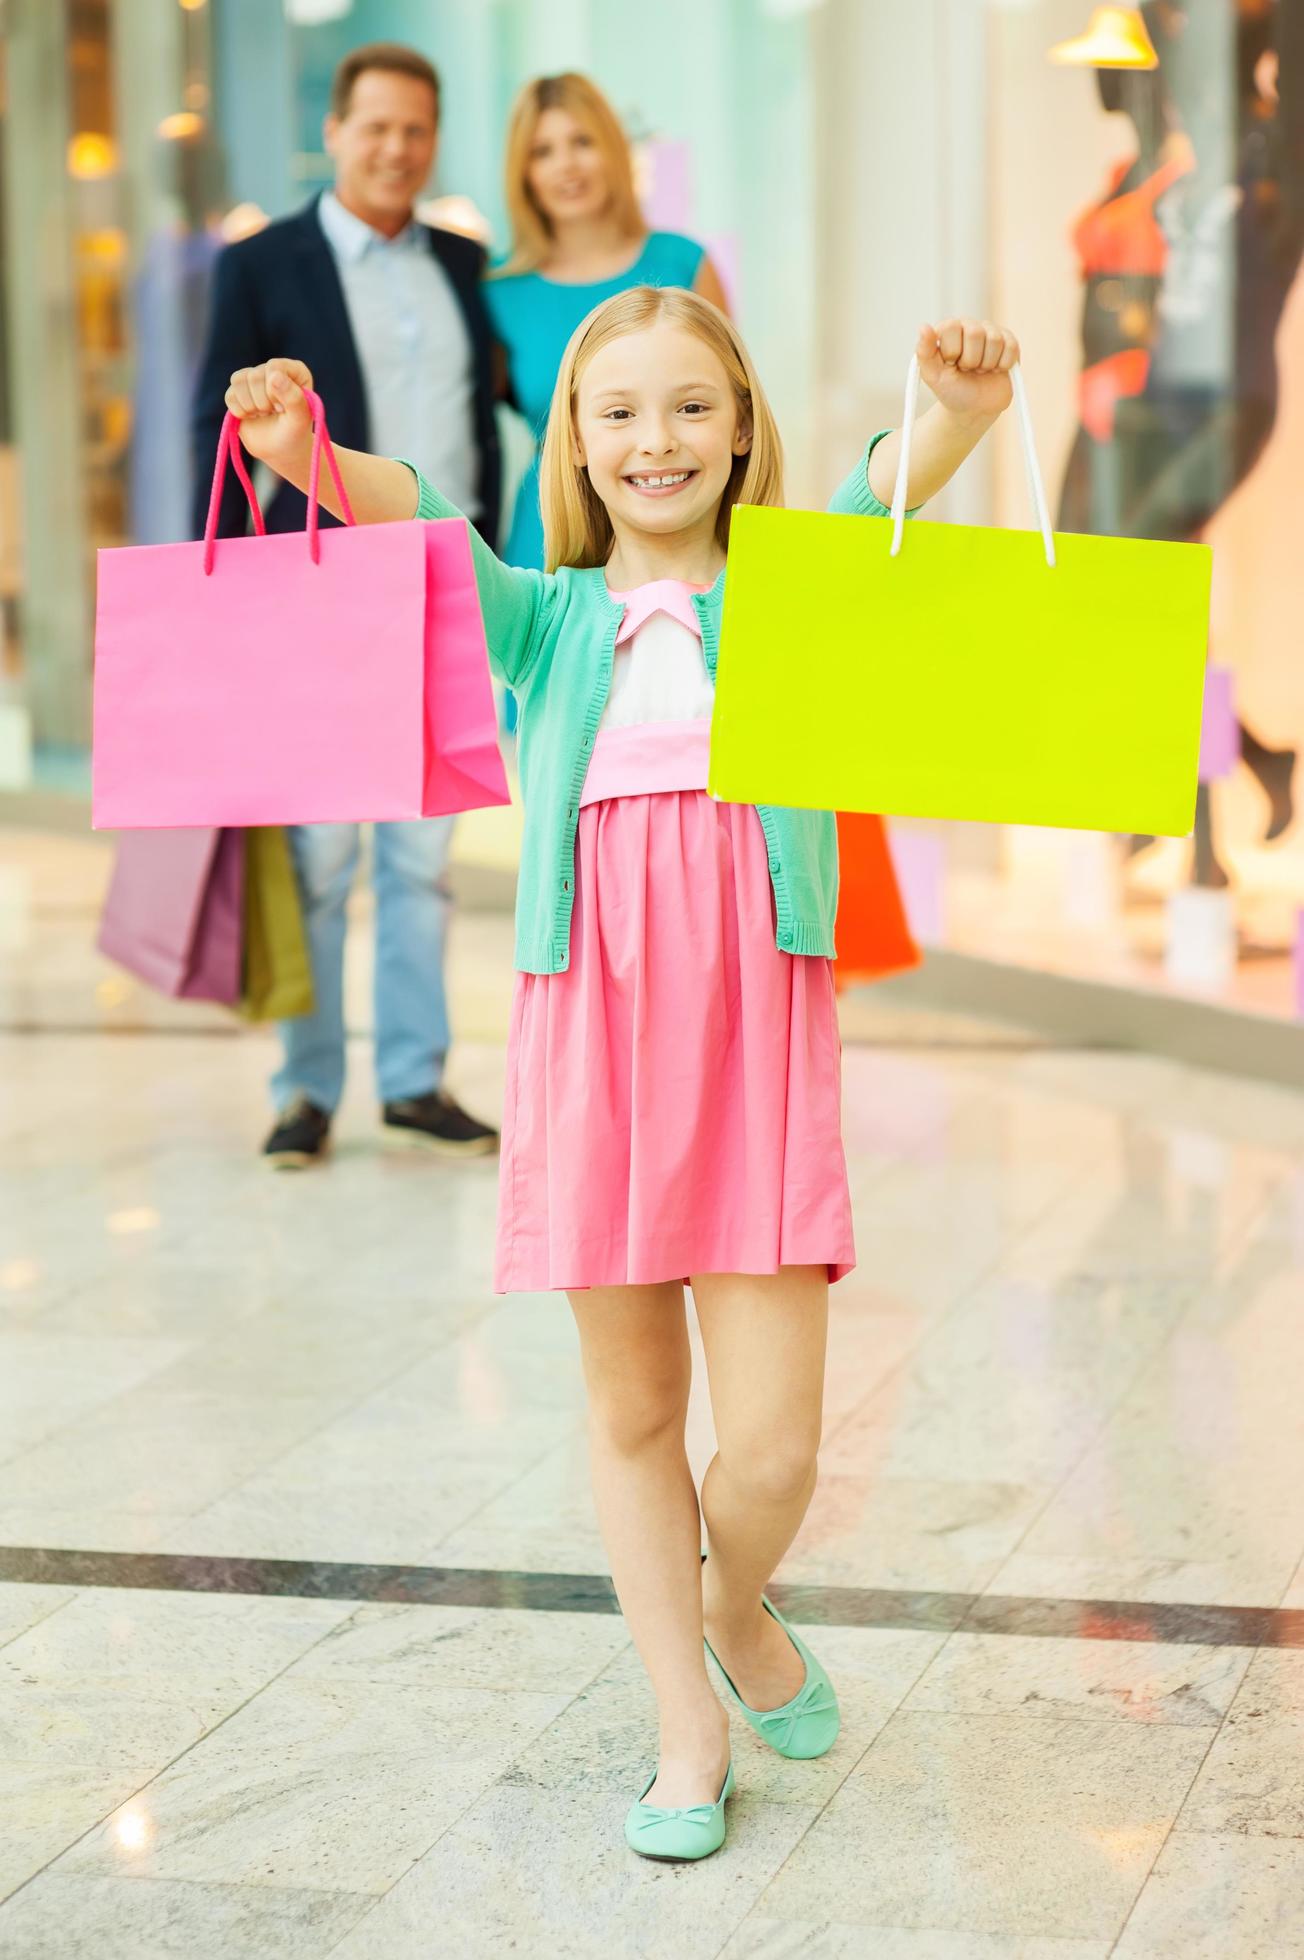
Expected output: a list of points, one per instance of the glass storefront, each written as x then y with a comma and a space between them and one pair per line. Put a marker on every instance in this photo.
111, 193
138, 136
1162, 314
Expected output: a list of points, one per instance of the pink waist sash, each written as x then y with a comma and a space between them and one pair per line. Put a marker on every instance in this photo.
648, 759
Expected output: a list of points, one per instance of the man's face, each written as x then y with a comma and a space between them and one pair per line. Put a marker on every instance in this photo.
384, 146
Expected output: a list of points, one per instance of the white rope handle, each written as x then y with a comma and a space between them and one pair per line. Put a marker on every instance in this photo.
1036, 488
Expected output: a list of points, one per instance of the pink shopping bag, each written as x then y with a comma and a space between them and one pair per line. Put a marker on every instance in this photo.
330, 676
174, 915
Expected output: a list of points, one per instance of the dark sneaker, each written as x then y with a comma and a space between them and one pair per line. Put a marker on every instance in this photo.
301, 1137
439, 1123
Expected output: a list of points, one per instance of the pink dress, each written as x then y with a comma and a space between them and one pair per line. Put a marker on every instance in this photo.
674, 1097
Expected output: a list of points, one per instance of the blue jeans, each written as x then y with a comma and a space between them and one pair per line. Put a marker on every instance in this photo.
411, 1012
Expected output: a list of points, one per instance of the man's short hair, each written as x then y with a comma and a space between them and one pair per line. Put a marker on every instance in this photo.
388, 58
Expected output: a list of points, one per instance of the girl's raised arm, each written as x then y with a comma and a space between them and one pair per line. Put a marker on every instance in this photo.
966, 364
276, 427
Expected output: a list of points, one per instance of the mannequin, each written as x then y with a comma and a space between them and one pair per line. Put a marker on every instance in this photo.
1188, 262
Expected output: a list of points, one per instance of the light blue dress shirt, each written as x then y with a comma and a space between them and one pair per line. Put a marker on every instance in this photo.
413, 348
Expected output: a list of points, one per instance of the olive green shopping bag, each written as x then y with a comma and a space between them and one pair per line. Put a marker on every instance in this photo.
277, 973
994, 676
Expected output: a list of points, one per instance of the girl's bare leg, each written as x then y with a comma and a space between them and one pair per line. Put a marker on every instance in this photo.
637, 1368
765, 1340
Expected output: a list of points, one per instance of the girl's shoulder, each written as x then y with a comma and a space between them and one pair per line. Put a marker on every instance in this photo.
672, 257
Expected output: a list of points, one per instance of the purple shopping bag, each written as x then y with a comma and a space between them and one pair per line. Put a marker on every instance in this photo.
174, 915
321, 677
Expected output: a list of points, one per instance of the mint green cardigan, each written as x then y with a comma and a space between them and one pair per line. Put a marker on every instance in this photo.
551, 637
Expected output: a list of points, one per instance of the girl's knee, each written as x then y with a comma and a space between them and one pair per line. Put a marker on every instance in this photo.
772, 1469
632, 1417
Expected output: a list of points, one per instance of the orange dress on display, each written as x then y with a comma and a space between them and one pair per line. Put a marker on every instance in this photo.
873, 934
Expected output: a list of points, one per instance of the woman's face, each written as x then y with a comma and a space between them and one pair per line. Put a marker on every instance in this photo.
565, 172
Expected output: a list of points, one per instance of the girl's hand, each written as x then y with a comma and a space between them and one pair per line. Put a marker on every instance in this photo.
275, 420
967, 365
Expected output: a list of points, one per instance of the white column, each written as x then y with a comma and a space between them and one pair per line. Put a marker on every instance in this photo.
902, 225
45, 374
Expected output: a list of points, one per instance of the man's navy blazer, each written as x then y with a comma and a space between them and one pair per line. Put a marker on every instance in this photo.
279, 293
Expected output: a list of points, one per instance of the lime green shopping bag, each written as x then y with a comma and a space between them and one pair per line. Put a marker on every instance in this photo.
994, 676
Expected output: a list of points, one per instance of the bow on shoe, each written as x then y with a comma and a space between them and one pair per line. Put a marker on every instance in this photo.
779, 1724
698, 1813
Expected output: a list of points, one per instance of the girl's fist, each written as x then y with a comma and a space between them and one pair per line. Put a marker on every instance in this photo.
268, 401
967, 365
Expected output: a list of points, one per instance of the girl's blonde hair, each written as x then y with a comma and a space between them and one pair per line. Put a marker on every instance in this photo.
578, 96
576, 527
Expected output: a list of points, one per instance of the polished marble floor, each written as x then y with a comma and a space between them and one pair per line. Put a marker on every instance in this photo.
305, 1646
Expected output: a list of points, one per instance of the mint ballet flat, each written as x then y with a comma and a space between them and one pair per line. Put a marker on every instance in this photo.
807, 1725
692, 1833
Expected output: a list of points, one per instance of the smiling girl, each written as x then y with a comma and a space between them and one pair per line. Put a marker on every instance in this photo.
673, 1100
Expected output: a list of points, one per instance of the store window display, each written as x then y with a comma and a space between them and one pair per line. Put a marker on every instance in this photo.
1187, 263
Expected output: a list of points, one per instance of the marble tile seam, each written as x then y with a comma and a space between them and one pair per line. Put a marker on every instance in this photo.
1256, 1208
934, 1325
1175, 1819
162, 1768
808, 1603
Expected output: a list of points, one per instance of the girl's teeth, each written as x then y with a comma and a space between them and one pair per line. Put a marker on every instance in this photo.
660, 482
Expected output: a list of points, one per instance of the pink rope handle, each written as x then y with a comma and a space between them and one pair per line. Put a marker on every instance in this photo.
228, 445
321, 443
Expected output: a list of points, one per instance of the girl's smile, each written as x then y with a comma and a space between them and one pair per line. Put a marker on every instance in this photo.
667, 484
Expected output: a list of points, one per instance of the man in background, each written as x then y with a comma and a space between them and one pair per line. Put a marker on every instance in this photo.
386, 312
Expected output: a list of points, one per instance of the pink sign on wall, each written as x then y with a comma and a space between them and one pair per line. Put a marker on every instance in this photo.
919, 861
723, 249
1220, 738
668, 196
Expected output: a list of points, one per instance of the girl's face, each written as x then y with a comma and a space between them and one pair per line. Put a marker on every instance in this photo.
565, 172
657, 426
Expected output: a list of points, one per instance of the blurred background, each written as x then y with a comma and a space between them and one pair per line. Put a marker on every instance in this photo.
853, 169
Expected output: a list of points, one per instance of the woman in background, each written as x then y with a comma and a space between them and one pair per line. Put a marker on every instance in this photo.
578, 238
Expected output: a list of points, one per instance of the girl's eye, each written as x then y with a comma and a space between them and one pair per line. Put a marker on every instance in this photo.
694, 408
614, 414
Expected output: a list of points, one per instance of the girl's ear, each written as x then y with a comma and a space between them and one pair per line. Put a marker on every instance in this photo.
742, 441
577, 449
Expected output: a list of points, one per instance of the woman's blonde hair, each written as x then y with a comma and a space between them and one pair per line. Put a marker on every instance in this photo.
577, 95
576, 527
